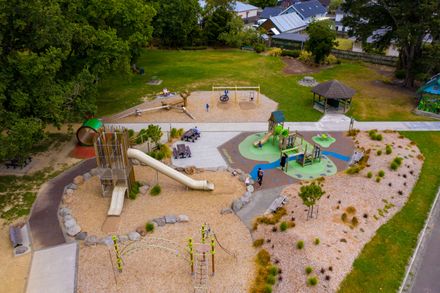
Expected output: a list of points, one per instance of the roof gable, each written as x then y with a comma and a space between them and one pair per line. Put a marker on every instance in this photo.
242, 7
277, 117
309, 9
288, 22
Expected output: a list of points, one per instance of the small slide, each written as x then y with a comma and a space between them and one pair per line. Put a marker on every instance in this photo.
168, 171
264, 139
117, 203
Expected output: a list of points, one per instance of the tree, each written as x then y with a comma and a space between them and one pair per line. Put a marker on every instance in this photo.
176, 22
154, 132
403, 22
322, 38
216, 23
334, 5
263, 3
51, 56
310, 194
237, 35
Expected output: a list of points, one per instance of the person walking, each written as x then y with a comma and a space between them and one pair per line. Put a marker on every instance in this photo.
260, 145
260, 175
283, 161
207, 107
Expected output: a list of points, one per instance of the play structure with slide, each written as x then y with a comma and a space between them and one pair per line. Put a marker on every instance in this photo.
116, 172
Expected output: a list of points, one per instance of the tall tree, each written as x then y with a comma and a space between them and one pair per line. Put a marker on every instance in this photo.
263, 3
403, 22
176, 22
216, 22
51, 55
322, 38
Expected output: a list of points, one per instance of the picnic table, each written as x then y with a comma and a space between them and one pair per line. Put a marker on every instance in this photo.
191, 135
181, 151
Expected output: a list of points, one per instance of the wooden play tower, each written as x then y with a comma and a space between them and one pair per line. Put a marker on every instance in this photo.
114, 167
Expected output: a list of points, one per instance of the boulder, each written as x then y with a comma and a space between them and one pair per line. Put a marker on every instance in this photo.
170, 219
144, 189
68, 217
106, 241
182, 219
134, 236
73, 230
72, 186
87, 176
123, 238
78, 180
159, 221
225, 211
67, 199
81, 236
70, 223
94, 172
91, 240
141, 230
64, 211
246, 198
242, 177
229, 169
250, 188
190, 170
180, 169
237, 205
69, 191
21, 249
239, 172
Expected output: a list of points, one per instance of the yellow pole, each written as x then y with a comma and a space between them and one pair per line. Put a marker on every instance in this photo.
191, 254
212, 255
118, 256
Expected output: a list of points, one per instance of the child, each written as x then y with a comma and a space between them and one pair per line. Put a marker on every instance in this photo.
260, 175
207, 107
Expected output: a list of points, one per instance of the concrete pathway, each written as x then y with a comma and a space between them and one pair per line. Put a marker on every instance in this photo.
204, 150
259, 204
53, 270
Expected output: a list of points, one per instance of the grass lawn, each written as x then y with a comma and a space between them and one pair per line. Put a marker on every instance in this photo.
381, 265
344, 44
199, 70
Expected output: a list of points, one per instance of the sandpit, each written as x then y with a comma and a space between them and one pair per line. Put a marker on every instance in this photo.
375, 203
156, 270
242, 111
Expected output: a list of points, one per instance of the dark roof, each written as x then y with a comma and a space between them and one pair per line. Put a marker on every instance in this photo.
325, 3
333, 90
295, 37
277, 117
309, 8
270, 11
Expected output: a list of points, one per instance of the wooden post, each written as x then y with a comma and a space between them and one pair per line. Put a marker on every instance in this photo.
212, 256
258, 95
236, 102
191, 254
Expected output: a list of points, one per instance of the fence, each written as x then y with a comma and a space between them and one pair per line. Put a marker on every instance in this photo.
367, 57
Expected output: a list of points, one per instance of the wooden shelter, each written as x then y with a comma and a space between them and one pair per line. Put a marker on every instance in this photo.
276, 117
332, 97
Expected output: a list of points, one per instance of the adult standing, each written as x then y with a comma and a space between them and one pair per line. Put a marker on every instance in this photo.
207, 107
260, 175
283, 161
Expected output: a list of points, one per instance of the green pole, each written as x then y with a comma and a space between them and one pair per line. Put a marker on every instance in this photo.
118, 255
212, 255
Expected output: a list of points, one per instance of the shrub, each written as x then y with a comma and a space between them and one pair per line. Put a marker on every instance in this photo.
374, 135
173, 133
351, 210
381, 173
317, 241
394, 166
312, 281
270, 220
354, 221
300, 244
275, 52
331, 59
353, 132
283, 226
305, 57
267, 289
263, 257
309, 270
258, 242
155, 190
344, 217
379, 152
400, 74
259, 48
193, 48
273, 270
378, 179
149, 227
396, 163
134, 191
388, 149
130, 133
353, 170
369, 174
291, 53
270, 280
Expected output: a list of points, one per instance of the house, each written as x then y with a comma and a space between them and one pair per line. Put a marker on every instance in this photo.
339, 26
308, 11
247, 12
392, 50
287, 23
268, 12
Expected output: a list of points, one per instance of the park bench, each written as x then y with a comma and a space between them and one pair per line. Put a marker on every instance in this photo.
276, 204
15, 236
181, 151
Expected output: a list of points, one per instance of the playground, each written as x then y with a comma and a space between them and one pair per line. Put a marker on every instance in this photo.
242, 106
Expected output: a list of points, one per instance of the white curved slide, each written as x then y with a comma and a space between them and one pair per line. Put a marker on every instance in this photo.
168, 171
117, 202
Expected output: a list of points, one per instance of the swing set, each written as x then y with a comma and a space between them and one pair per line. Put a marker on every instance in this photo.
238, 93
